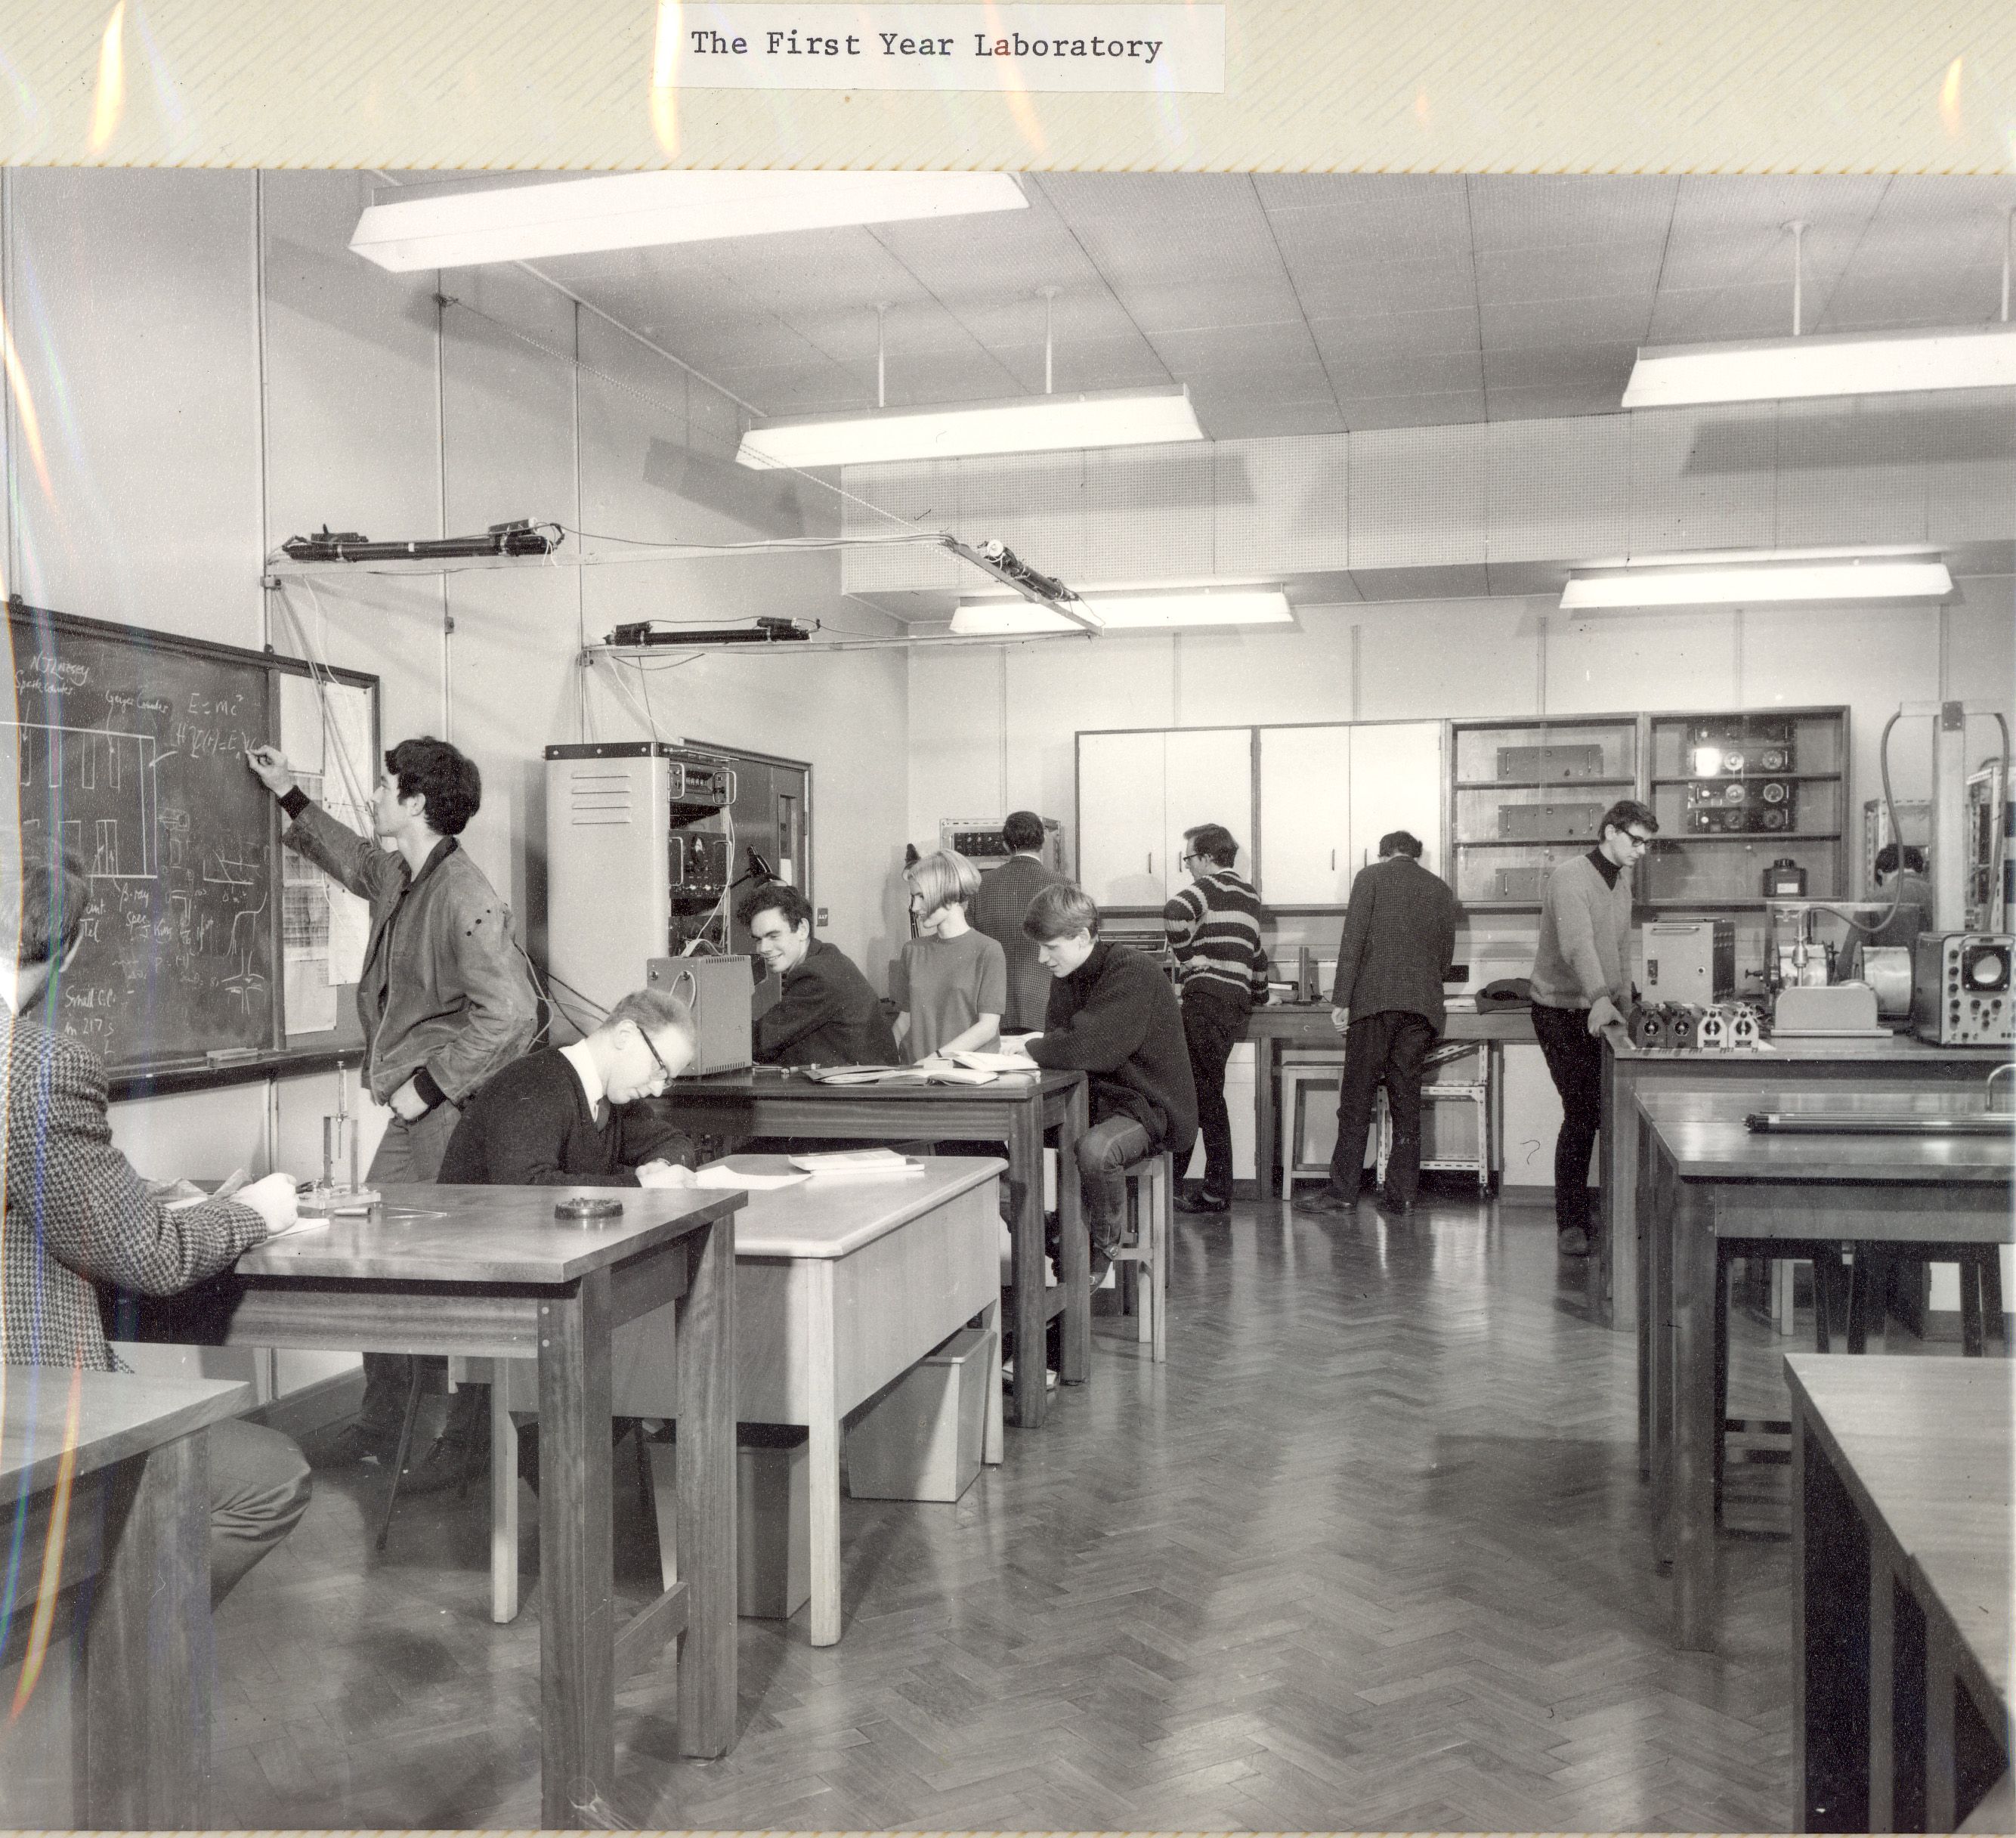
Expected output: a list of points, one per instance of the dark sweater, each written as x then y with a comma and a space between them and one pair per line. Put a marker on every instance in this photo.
1399, 936
1116, 1018
531, 1126
827, 1016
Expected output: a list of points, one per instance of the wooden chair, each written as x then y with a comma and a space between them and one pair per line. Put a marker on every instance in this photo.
1143, 1258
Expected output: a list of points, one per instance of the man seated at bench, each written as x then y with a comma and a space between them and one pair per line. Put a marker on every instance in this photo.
569, 1116
827, 1015
80, 1224
1113, 1017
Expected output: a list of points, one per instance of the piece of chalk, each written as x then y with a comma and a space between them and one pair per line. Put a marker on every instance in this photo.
588, 1206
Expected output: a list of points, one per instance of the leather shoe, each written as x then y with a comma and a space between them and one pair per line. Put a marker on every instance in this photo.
1328, 1205
1395, 1209
1573, 1242
445, 1463
1197, 1200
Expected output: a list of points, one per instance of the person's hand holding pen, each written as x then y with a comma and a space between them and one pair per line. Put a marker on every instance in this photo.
271, 769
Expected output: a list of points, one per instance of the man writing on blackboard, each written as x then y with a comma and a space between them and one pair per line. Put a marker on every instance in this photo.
445, 996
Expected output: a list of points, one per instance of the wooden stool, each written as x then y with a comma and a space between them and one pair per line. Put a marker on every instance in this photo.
1300, 1075
1144, 1253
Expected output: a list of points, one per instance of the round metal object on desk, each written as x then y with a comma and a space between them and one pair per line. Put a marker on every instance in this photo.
587, 1206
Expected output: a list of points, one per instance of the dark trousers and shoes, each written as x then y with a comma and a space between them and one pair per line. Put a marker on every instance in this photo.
1388, 1049
1575, 1062
1213, 1023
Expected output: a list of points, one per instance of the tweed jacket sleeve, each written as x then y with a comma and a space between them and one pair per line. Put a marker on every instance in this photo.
78, 1217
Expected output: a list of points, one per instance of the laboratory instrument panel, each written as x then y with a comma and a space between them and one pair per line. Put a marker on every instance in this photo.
1960, 992
1739, 778
979, 839
1684, 1026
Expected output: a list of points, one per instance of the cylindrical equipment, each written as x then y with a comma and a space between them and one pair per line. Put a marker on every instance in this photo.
1887, 970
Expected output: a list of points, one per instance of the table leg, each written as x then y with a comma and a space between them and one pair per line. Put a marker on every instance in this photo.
992, 1449
503, 1500
1941, 1758
1076, 1274
1694, 1271
1833, 1685
1648, 1226
703, 1358
147, 1652
822, 1422
1622, 1228
1264, 1059
577, 1622
1881, 1611
1025, 1188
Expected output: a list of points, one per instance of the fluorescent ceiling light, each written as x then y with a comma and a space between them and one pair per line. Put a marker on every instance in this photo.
636, 209
1756, 584
1850, 363
1132, 612
1022, 424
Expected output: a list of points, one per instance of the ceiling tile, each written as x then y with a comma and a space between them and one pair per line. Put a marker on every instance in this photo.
1128, 362
1546, 400
1397, 334
1702, 315
1717, 202
1411, 216
1517, 212
1965, 297
1229, 416
1424, 373
1339, 285
1413, 411
1613, 320
1248, 347
1200, 305
1531, 366
1513, 274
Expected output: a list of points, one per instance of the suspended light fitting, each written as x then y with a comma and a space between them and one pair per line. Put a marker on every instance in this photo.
465, 228
1837, 364
1186, 609
1019, 424
1759, 578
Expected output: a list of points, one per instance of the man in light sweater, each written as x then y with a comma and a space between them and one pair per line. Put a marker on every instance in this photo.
1580, 986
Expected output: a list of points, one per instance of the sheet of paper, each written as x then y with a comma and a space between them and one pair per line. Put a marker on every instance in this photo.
721, 1174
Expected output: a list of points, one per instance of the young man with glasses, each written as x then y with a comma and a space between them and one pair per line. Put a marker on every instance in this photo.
1582, 984
568, 1116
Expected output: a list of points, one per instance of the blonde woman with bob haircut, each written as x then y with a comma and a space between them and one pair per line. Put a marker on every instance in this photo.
952, 982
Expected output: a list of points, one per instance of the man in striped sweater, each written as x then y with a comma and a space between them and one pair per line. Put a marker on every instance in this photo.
1213, 930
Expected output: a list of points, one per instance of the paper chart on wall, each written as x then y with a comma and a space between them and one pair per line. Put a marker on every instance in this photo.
325, 734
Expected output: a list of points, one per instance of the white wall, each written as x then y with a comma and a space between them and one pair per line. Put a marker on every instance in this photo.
207, 370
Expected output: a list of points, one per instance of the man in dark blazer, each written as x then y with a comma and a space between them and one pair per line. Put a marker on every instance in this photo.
999, 910
80, 1224
1399, 936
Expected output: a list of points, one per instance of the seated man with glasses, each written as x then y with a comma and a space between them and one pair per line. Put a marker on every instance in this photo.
568, 1116
1582, 984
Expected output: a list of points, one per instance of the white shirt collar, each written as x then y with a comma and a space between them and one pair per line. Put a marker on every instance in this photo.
576, 1054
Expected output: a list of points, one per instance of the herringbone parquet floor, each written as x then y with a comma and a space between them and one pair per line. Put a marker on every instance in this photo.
1371, 1551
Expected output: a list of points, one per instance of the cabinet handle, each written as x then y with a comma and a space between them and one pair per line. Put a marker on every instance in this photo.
1332, 861
1151, 861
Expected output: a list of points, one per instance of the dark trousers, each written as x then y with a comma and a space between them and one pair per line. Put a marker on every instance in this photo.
1386, 1049
408, 1152
1213, 1025
259, 1488
1575, 1062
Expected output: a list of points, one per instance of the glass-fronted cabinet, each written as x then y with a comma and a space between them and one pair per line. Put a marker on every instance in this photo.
1526, 795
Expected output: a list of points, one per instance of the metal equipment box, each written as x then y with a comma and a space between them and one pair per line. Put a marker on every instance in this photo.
1688, 959
1548, 823
1561, 760
1960, 992
719, 991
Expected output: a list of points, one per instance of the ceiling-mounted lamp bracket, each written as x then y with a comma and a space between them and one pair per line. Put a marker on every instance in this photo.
1797, 227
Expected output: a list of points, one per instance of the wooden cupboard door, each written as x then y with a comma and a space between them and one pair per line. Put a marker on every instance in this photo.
1122, 856
1209, 780
1396, 784
1305, 858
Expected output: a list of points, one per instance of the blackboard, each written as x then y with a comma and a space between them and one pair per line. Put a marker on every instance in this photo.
129, 745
